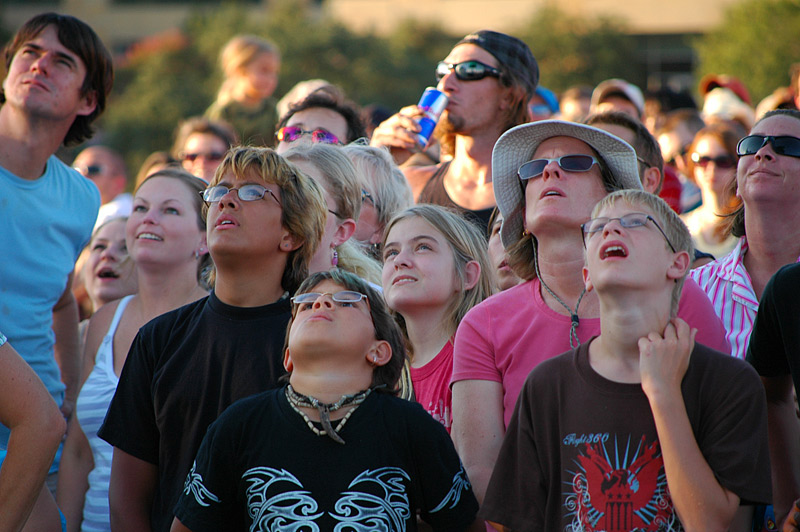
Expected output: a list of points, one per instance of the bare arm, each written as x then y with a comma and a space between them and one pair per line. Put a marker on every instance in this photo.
478, 429
177, 526
73, 475
130, 493
784, 443
701, 503
36, 430
67, 351
77, 460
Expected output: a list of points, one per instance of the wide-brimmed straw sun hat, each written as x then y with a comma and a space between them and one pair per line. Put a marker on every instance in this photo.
517, 146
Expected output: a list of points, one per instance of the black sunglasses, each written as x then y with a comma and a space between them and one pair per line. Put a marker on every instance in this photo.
782, 145
466, 70
570, 163
91, 170
723, 161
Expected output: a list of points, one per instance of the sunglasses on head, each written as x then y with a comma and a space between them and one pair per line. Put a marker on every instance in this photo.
723, 161
466, 70
211, 156
570, 163
781, 144
292, 133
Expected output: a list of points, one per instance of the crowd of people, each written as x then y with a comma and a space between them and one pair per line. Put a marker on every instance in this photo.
553, 315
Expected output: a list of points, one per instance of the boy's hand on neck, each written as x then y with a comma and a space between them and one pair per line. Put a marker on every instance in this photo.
663, 360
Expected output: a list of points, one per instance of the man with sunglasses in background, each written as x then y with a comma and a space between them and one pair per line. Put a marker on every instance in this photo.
105, 168
768, 222
489, 77
59, 74
323, 116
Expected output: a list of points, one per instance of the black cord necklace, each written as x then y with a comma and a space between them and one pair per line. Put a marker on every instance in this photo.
297, 400
573, 333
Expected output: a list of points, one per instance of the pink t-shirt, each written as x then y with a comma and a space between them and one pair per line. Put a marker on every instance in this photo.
503, 338
432, 385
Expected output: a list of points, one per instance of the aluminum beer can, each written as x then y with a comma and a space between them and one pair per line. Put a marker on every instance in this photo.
432, 103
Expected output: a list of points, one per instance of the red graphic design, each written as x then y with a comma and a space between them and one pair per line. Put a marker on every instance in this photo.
630, 497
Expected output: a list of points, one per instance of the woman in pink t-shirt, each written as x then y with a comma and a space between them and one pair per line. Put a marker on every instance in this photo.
547, 177
435, 269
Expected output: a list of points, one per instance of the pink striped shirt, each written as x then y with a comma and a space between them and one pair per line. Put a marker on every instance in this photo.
730, 290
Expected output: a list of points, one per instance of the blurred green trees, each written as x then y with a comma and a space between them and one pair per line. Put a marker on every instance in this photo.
170, 77
756, 42
173, 76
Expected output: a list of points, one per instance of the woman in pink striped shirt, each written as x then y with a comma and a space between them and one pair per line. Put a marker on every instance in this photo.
768, 222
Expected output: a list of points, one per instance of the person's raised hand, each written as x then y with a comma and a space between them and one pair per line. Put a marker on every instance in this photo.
399, 133
663, 360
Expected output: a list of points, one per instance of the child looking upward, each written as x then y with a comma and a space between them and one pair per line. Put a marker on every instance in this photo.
639, 428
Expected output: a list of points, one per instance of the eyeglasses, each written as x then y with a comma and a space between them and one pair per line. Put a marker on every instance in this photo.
292, 133
366, 196
90, 171
672, 161
212, 156
345, 298
570, 163
245, 193
466, 70
782, 145
723, 161
634, 219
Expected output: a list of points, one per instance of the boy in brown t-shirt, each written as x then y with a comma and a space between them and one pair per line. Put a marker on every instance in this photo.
640, 428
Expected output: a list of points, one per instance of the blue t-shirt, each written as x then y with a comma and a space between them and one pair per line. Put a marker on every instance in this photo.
44, 225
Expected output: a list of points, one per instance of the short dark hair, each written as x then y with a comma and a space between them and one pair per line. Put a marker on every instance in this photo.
691, 118
645, 144
200, 124
384, 378
335, 101
81, 40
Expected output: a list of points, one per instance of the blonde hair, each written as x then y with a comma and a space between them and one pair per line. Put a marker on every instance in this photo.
303, 207
390, 190
342, 181
467, 244
236, 55
345, 187
669, 221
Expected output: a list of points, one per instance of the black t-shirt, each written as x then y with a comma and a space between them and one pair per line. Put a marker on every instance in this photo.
183, 370
260, 467
582, 452
774, 348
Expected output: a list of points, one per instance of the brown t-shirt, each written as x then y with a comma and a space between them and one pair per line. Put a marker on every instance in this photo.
582, 452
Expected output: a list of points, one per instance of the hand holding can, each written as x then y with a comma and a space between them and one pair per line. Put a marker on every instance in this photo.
432, 103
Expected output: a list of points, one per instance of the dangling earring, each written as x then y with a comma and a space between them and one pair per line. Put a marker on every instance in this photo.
196, 254
335, 258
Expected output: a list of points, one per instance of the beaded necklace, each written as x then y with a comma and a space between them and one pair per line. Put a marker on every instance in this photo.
573, 314
297, 400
